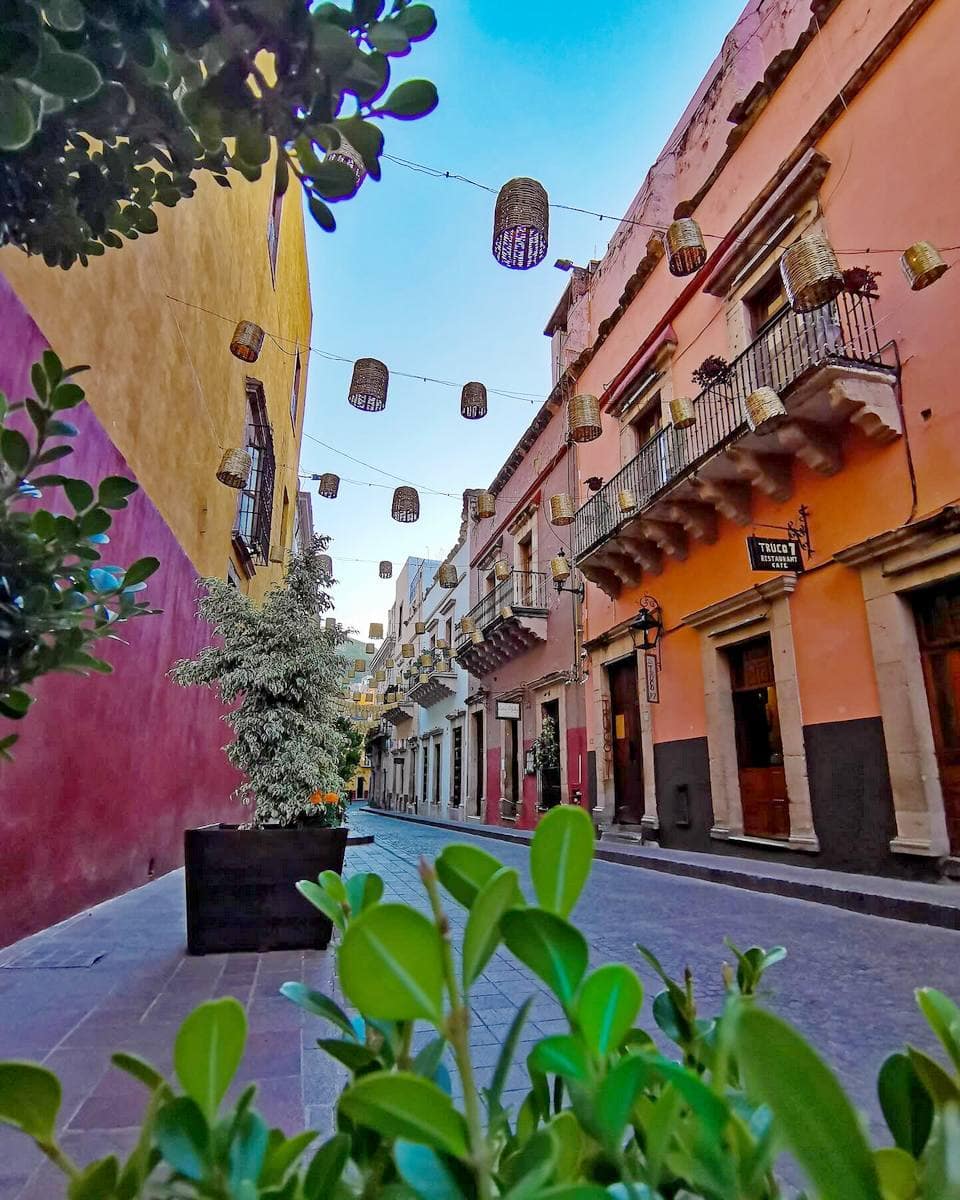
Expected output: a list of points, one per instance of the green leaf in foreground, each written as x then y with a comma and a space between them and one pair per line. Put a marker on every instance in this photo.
29, 1099
406, 1106
560, 857
391, 965
208, 1051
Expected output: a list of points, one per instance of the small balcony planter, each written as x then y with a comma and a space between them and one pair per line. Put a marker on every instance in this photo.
241, 887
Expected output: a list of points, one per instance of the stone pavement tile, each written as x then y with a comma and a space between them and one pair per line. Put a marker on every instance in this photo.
48, 1183
79, 1071
275, 1012
323, 1119
270, 1054
280, 1103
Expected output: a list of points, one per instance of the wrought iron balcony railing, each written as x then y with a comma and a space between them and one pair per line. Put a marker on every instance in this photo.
787, 348
523, 591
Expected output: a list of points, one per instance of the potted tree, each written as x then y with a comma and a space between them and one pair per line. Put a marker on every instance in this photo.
278, 665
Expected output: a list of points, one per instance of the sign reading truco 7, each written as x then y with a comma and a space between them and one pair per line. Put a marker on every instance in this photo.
774, 554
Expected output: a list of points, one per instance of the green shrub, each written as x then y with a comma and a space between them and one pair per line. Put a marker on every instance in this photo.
606, 1114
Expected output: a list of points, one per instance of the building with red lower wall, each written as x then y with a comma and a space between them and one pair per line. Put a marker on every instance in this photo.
521, 641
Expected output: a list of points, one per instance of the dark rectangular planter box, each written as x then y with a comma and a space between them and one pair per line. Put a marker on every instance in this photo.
241, 887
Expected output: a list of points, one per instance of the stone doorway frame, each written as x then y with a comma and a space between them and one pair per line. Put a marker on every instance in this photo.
892, 565
762, 609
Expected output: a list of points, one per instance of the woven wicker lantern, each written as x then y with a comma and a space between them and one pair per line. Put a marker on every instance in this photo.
441, 644
406, 505
346, 154
423, 677
420, 627
585, 418
325, 563
626, 500
386, 569
506, 612
247, 341
426, 659
560, 568
235, 467
476, 637
502, 569
406, 650
468, 625
357, 697
686, 251
328, 486
376, 630
765, 411
473, 401
330, 623
370, 648
368, 387
682, 412
486, 505
521, 224
381, 676
922, 264
390, 664
359, 664
447, 575
811, 274
561, 510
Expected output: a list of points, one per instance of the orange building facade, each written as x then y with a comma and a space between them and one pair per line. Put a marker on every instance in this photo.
807, 714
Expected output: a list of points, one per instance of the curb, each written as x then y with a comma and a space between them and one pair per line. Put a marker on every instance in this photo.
870, 904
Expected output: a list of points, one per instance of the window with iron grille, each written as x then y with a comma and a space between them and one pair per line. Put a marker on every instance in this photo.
295, 394
255, 505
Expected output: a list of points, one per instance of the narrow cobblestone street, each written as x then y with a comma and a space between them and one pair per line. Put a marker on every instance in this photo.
848, 983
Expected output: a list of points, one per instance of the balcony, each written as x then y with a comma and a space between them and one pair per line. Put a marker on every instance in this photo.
830, 371
397, 710
511, 619
441, 685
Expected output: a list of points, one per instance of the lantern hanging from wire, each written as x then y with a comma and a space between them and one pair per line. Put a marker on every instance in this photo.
626, 500
585, 418
406, 505
506, 612
560, 568
359, 664
247, 341
686, 250
406, 650
420, 627
521, 224
922, 264
562, 511
473, 401
485, 505
441, 644
328, 485
811, 274
376, 630
390, 664
368, 387
502, 569
381, 676
426, 659
468, 625
325, 563
447, 575
346, 154
682, 412
235, 467
765, 411
330, 623
386, 569
370, 648
476, 637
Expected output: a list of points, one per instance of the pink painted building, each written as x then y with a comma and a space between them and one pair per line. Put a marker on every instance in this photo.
521, 641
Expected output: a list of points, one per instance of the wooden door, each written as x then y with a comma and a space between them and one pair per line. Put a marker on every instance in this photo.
625, 739
479, 762
938, 628
550, 776
763, 784
511, 747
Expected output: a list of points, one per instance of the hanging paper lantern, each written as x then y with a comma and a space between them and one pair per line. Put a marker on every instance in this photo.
370, 648
626, 500
485, 505
811, 274
765, 411
441, 644
406, 650
560, 568
502, 569
376, 630
325, 563
476, 637
506, 612
585, 418
682, 412
521, 223
561, 510
328, 486
381, 676
922, 264
368, 387
386, 569
346, 154
330, 623
247, 341
426, 659
235, 467
390, 664
468, 624
359, 664
447, 575
686, 251
420, 627
406, 505
473, 401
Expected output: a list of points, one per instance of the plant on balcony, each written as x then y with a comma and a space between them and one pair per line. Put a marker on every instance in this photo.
712, 370
607, 1115
861, 281
546, 748
56, 597
109, 108
278, 665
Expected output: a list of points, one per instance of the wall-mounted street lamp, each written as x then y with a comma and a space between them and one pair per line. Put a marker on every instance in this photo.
560, 569
647, 625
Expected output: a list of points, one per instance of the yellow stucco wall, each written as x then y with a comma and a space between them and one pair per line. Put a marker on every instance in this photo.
163, 382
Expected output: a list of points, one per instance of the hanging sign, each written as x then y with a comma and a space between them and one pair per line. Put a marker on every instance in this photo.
774, 554
652, 678
508, 710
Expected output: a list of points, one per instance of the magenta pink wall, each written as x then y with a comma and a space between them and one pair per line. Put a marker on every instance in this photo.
109, 769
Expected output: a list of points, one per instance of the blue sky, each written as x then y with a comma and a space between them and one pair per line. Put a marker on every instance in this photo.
580, 96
